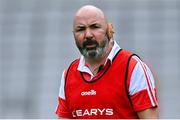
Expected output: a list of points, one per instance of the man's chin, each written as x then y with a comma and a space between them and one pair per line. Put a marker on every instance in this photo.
91, 54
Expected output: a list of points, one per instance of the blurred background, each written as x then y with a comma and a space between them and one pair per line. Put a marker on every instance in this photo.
36, 44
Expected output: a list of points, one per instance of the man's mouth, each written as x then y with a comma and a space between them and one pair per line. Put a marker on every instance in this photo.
91, 46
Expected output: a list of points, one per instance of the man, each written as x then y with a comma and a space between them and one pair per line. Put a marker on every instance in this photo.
106, 81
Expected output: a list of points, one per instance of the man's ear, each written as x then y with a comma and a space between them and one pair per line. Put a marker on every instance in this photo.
110, 31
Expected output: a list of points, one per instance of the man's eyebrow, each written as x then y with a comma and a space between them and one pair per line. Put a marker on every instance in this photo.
95, 24
80, 26
83, 26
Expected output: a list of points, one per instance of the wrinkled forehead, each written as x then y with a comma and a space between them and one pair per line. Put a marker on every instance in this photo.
88, 19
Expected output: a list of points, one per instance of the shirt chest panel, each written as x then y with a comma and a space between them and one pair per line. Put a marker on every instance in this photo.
106, 92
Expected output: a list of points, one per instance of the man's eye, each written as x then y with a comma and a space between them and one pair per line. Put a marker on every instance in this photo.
95, 26
79, 29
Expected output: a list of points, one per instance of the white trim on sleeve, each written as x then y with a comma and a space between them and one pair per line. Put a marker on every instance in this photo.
138, 80
142, 79
61, 89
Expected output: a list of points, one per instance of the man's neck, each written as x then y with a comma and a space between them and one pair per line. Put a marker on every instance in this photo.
93, 64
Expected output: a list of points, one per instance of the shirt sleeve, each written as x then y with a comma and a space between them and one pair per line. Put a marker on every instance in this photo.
62, 108
142, 87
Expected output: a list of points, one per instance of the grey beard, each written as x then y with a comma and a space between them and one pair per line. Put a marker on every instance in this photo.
93, 54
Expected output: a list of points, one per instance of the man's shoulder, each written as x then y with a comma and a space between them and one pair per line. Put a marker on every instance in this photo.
129, 54
126, 52
127, 58
123, 54
72, 63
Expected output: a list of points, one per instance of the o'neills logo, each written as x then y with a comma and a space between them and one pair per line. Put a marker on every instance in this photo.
93, 112
86, 93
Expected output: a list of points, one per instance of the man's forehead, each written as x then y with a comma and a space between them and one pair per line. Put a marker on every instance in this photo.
88, 19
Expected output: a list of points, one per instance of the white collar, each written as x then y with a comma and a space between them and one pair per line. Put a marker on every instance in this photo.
83, 68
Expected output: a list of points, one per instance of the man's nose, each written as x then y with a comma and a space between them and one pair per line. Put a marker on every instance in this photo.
88, 33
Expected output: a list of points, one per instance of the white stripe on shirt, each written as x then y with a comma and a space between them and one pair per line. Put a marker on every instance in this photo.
61, 89
141, 79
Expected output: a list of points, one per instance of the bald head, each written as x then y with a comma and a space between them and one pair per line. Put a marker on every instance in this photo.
89, 11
